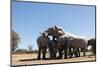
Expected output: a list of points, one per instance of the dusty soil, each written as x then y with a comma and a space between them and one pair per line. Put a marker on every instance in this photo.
30, 59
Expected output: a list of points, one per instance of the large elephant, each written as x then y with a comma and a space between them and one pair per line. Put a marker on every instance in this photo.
53, 32
92, 42
63, 38
62, 46
43, 43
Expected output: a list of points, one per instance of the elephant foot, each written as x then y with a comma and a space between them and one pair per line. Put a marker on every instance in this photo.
59, 57
65, 57
54, 58
44, 58
51, 57
84, 55
79, 56
71, 56
76, 56
38, 58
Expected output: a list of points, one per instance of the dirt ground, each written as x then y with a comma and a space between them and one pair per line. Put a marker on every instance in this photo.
30, 59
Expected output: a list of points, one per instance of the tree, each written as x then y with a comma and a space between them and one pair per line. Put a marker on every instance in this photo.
15, 40
30, 47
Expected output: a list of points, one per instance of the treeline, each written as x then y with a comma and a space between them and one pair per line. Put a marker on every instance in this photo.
25, 51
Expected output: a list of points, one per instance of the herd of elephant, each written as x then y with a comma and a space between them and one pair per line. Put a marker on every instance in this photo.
61, 44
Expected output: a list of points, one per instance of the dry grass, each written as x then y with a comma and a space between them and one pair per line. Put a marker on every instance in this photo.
30, 59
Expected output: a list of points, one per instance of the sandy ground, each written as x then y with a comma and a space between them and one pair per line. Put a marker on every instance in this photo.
30, 59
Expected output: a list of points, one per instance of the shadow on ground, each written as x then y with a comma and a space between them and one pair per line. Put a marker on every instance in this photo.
37, 59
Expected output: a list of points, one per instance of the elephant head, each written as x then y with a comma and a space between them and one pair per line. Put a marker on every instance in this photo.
55, 31
43, 42
44, 34
92, 42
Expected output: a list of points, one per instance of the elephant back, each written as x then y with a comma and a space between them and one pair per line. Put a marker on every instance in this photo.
77, 43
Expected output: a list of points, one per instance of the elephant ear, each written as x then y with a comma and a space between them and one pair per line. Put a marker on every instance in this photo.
49, 31
58, 28
44, 34
55, 27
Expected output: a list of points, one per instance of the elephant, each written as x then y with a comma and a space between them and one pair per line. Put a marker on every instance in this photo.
53, 32
53, 48
92, 42
61, 45
76, 44
66, 43
62, 41
43, 43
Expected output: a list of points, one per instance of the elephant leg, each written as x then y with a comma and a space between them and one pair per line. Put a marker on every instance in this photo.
60, 53
94, 49
65, 52
78, 52
39, 54
84, 52
52, 56
55, 52
70, 53
75, 52
44, 53
50, 53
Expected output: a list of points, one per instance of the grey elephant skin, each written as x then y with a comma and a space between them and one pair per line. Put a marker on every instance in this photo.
76, 44
62, 41
92, 42
43, 43
53, 50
